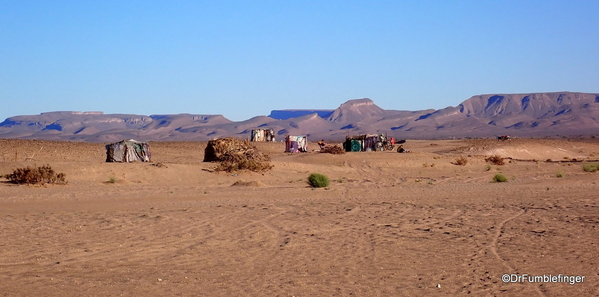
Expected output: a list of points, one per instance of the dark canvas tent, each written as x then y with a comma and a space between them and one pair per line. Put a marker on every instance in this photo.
128, 151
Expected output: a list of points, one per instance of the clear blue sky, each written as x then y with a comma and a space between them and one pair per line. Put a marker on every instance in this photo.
245, 58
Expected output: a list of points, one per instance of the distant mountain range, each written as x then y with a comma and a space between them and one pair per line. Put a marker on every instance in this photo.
525, 115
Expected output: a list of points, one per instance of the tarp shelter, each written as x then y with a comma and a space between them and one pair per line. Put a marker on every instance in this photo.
365, 142
217, 148
296, 144
267, 135
128, 151
353, 145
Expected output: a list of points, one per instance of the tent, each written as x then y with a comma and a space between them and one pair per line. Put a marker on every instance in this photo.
217, 148
368, 142
236, 154
128, 151
267, 135
296, 144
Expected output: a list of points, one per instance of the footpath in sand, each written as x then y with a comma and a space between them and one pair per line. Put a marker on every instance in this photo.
388, 225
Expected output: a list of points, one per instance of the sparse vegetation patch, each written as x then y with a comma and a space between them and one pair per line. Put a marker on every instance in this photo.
36, 175
317, 180
461, 160
590, 167
499, 178
495, 159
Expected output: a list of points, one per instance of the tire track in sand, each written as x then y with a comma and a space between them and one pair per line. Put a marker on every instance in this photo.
493, 246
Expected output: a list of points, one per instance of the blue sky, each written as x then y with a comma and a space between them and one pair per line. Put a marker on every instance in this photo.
244, 58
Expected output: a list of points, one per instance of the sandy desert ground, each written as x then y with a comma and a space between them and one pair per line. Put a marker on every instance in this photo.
390, 224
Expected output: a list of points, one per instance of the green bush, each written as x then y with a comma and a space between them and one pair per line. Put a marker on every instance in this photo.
499, 178
590, 167
560, 175
317, 180
36, 175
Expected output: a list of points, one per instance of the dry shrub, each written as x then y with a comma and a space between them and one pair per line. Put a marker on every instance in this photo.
495, 159
36, 175
462, 161
335, 150
234, 154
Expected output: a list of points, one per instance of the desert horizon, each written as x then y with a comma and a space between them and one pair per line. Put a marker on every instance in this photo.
549, 114
389, 224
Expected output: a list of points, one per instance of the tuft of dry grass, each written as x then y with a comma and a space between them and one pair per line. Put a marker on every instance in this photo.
495, 159
461, 160
36, 175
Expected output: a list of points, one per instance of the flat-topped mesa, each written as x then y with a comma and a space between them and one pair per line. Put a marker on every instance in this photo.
193, 117
357, 102
530, 104
284, 114
356, 110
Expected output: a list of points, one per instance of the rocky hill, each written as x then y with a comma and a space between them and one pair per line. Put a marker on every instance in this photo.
526, 115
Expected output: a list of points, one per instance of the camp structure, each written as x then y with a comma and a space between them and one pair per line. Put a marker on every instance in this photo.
296, 144
217, 148
368, 142
236, 154
267, 135
128, 151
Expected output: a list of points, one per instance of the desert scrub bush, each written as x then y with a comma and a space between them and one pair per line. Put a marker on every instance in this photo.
560, 175
590, 167
495, 159
317, 180
499, 178
36, 175
461, 160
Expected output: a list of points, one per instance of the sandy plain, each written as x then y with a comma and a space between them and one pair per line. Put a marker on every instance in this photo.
389, 224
